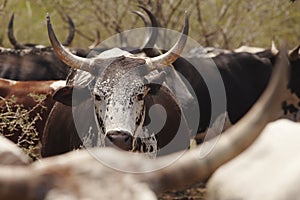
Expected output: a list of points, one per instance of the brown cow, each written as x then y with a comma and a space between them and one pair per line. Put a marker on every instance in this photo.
20, 91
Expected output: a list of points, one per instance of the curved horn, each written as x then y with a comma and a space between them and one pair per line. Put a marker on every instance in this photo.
64, 55
154, 31
274, 50
232, 142
10, 33
169, 57
141, 15
97, 40
294, 53
71, 35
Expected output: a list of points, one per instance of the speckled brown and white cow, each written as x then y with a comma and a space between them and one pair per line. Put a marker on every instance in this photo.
116, 90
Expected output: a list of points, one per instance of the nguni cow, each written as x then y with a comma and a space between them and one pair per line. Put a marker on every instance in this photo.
21, 93
116, 90
290, 107
31, 62
17, 45
21, 65
245, 76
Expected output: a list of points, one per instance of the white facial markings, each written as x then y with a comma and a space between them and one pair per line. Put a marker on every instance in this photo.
119, 93
122, 112
121, 106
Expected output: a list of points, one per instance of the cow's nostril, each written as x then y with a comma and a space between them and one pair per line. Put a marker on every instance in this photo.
121, 139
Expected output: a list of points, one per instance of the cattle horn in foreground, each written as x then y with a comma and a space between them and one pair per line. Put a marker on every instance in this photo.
62, 176
17, 45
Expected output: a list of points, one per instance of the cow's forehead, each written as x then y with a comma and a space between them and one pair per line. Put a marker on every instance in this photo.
121, 89
113, 60
123, 75
122, 67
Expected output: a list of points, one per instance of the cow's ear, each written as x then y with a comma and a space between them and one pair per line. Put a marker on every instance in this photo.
65, 95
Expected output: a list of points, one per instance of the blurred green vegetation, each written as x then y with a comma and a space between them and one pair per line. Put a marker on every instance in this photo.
219, 23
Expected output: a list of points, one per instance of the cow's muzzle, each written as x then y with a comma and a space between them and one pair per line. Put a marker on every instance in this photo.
121, 139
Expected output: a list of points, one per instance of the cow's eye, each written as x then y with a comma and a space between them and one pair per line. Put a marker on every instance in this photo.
140, 97
97, 97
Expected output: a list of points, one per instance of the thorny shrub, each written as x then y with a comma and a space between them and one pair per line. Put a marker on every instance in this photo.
18, 121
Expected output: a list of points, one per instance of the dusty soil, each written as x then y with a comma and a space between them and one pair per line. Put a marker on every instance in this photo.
196, 192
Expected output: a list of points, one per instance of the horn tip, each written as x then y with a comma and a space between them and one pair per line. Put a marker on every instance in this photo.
48, 18
12, 17
273, 44
11, 21
145, 9
142, 7
135, 12
186, 23
70, 20
186, 16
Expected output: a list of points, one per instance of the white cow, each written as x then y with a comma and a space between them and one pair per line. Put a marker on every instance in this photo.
11, 154
269, 169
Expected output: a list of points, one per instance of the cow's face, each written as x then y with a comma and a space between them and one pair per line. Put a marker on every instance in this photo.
122, 94
119, 95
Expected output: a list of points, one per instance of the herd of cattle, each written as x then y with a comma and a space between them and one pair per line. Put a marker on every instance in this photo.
117, 88
104, 97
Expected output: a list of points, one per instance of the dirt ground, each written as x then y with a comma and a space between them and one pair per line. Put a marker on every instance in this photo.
196, 192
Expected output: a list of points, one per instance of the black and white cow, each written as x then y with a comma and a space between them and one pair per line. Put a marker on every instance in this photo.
245, 76
112, 94
32, 62
290, 107
30, 65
